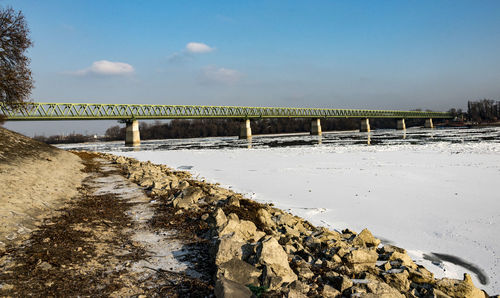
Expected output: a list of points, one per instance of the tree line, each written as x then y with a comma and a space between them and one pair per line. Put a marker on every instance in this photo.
485, 110
67, 139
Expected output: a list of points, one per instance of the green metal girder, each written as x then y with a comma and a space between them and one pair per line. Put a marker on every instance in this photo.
91, 111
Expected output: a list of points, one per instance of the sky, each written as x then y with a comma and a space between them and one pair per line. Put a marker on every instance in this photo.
333, 54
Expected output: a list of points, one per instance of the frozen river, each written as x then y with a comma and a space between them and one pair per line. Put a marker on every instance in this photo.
433, 192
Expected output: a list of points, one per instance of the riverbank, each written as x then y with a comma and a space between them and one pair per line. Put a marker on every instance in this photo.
268, 248
35, 180
240, 242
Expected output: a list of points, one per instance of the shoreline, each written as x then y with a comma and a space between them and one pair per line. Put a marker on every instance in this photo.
442, 207
267, 220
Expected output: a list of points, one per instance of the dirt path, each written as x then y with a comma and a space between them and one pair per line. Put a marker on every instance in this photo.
111, 240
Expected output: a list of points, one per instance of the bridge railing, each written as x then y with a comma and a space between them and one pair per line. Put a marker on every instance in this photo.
90, 111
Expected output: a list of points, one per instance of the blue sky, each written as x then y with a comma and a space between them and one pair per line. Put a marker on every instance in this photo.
339, 54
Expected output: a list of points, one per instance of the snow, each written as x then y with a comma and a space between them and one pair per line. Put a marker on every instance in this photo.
434, 197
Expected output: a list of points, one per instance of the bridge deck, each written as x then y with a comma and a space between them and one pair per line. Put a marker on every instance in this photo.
84, 111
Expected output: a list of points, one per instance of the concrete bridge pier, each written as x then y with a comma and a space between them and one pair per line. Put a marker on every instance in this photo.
401, 125
245, 129
316, 127
428, 123
132, 136
365, 125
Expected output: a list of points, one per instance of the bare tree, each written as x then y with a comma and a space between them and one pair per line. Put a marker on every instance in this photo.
16, 82
484, 110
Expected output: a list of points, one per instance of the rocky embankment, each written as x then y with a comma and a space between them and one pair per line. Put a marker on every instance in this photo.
260, 250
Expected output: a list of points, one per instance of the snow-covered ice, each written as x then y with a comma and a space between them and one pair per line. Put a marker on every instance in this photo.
439, 199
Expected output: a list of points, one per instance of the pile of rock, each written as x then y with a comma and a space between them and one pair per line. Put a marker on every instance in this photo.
264, 248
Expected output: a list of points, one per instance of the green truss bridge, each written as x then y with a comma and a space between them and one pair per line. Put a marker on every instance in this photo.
133, 112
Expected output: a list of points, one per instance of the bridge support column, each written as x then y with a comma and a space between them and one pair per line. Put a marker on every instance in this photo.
365, 125
245, 129
316, 127
132, 136
428, 123
401, 125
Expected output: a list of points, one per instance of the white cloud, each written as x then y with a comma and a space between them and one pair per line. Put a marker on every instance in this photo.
107, 68
213, 74
198, 48
189, 52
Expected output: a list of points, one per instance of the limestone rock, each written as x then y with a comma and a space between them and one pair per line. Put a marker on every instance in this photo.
192, 193
326, 234
120, 160
290, 249
439, 294
372, 288
271, 278
147, 183
336, 258
171, 177
340, 282
383, 290
295, 294
161, 184
361, 259
330, 292
188, 198
243, 228
365, 238
385, 266
183, 185
225, 288
274, 258
342, 252
240, 272
348, 234
303, 271
220, 218
220, 192
398, 278
264, 218
299, 286
459, 288
388, 248
159, 192
229, 247
233, 201
286, 219
291, 231
174, 183
182, 203
404, 258
421, 275
312, 243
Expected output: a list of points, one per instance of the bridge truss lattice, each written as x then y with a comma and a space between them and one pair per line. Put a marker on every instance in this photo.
92, 111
